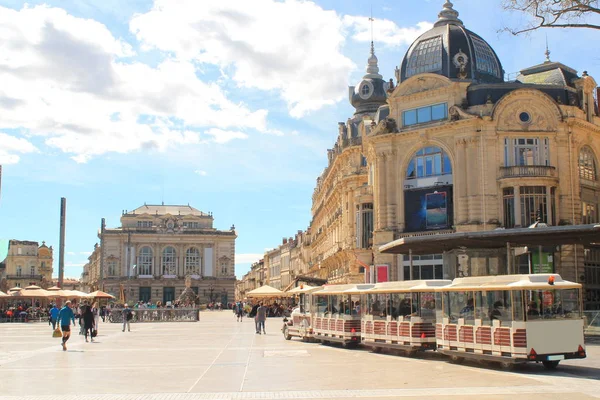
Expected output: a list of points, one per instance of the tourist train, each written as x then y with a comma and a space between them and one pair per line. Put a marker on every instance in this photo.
509, 319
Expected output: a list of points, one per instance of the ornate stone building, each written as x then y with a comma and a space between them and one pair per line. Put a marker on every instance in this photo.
27, 263
156, 247
455, 147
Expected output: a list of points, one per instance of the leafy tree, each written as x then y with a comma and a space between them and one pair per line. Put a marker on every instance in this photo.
555, 14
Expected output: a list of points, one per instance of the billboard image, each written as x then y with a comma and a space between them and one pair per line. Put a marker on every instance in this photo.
436, 210
428, 209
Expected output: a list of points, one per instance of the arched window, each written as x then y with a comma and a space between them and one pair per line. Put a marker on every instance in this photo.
145, 261
19, 270
429, 161
192, 261
32, 270
587, 164
168, 261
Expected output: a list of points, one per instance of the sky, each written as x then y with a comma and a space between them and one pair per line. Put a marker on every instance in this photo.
229, 105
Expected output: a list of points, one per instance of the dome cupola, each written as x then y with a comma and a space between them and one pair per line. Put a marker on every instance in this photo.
451, 50
370, 93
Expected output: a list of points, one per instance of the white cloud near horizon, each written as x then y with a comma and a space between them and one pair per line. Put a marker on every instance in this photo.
299, 55
73, 84
384, 31
70, 81
248, 258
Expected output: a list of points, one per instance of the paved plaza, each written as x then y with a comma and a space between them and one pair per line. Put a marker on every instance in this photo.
219, 358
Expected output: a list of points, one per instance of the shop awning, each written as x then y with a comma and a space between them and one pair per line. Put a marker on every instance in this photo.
496, 239
265, 291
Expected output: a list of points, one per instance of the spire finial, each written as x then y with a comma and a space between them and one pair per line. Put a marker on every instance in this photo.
448, 15
547, 52
372, 67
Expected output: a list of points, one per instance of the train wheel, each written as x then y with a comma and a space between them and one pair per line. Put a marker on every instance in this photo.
454, 359
550, 364
286, 334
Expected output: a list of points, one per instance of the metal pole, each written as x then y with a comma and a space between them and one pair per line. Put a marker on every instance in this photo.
61, 249
540, 259
508, 266
128, 261
410, 260
102, 227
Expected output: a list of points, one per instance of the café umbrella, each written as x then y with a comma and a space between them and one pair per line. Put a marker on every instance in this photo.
99, 294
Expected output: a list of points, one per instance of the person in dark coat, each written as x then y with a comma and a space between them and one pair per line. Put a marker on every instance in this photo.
88, 322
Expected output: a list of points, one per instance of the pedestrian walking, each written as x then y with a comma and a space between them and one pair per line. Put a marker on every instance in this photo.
65, 316
88, 322
239, 311
54, 315
96, 313
261, 317
127, 316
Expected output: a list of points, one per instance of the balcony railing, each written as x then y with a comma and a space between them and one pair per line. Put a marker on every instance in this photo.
517, 171
25, 276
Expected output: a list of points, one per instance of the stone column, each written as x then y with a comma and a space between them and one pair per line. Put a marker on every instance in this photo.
390, 166
380, 192
517, 200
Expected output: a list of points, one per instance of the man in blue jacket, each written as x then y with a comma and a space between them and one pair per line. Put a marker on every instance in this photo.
65, 316
54, 315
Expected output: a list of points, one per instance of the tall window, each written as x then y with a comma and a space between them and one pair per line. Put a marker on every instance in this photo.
422, 115
365, 90
429, 161
32, 270
533, 205
145, 261
112, 268
486, 60
43, 266
587, 164
426, 57
19, 270
168, 261
364, 225
526, 151
192, 261
224, 268
589, 213
508, 197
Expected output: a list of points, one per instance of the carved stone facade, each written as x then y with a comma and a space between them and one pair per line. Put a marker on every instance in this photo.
156, 248
456, 148
27, 263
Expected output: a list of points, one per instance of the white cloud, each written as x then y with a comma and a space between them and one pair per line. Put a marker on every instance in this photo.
70, 264
248, 258
200, 172
298, 55
9, 145
384, 31
71, 253
67, 79
221, 136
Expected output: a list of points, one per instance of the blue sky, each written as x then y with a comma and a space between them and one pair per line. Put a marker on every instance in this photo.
226, 105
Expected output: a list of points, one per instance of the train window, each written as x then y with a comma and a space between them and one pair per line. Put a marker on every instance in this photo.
439, 306
355, 304
462, 305
332, 304
544, 304
320, 304
427, 303
376, 305
493, 305
518, 312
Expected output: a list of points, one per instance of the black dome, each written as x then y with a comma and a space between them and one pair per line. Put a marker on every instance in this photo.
451, 50
371, 92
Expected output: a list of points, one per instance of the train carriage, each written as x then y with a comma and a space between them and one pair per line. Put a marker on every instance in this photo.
511, 319
299, 323
401, 315
336, 313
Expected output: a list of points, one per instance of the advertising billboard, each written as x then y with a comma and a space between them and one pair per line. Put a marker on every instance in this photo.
428, 209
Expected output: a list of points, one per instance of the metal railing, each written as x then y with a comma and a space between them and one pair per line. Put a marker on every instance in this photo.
592, 322
157, 315
527, 170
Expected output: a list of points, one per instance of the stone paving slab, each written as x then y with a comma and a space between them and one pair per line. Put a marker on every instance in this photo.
219, 358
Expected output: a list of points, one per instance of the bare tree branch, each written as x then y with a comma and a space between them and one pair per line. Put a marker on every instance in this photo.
555, 14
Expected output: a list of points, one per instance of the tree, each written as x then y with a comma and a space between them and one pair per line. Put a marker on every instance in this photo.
556, 14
